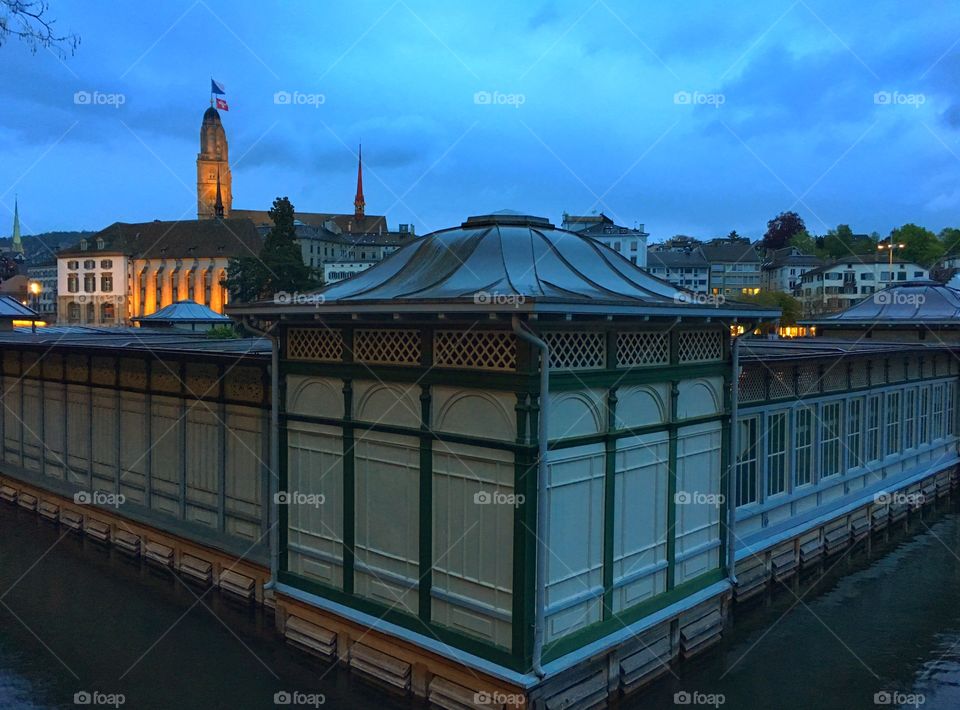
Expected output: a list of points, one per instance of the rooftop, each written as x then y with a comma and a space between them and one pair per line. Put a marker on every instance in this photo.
769, 350
140, 339
185, 311
201, 238
909, 303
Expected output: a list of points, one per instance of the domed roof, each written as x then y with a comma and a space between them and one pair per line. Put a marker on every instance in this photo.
509, 261
211, 115
911, 302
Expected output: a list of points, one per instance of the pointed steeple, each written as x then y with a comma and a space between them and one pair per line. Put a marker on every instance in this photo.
358, 203
17, 243
218, 205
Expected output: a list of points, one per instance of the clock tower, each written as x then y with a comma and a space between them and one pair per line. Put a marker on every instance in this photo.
214, 183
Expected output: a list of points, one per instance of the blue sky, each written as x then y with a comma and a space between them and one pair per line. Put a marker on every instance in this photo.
688, 117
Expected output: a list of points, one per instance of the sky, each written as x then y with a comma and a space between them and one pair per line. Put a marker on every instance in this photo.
687, 117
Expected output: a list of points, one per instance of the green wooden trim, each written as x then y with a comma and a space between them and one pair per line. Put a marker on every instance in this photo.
349, 488
670, 426
393, 615
283, 521
672, 489
426, 507
567, 644
609, 505
524, 483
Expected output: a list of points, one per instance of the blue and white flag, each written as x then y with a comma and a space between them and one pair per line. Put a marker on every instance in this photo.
216, 87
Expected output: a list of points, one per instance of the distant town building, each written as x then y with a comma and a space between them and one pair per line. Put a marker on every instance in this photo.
686, 269
133, 270
734, 267
842, 283
17, 246
42, 288
631, 242
679, 242
784, 267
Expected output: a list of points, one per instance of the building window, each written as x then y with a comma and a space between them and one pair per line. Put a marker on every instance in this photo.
910, 419
108, 313
804, 432
73, 312
893, 423
937, 428
175, 286
106, 263
830, 438
91, 313
747, 461
73, 284
89, 283
948, 408
776, 453
923, 435
106, 283
855, 433
89, 264
873, 427
73, 264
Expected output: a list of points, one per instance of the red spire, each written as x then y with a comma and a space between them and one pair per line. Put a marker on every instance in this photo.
358, 203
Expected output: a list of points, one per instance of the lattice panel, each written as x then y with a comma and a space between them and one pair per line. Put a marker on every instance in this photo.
896, 370
913, 368
641, 348
475, 349
321, 344
699, 345
835, 377
858, 375
11, 363
878, 372
52, 366
576, 350
753, 384
940, 365
928, 366
781, 382
245, 383
387, 347
808, 379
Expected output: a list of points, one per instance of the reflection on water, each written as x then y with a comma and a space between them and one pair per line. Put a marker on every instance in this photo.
882, 622
879, 627
78, 617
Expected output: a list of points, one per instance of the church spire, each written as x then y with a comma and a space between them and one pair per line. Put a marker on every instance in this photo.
218, 205
17, 242
358, 203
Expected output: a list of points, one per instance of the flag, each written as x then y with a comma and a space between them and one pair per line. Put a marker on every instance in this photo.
222, 105
216, 87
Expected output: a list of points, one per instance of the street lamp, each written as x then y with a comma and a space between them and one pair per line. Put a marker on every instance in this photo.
890, 246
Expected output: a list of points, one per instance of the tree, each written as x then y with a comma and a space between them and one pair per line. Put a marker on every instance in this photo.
804, 242
781, 228
30, 22
950, 239
789, 306
920, 245
278, 269
841, 242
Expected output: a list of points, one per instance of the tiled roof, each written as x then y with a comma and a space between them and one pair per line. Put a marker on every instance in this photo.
181, 239
370, 224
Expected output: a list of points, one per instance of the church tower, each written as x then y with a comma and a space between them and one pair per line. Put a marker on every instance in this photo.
214, 183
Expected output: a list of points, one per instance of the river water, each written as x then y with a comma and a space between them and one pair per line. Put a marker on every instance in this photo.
879, 624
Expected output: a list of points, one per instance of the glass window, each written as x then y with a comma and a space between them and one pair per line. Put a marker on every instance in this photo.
89, 283
776, 453
948, 407
804, 432
73, 285
747, 461
854, 433
89, 264
830, 438
893, 423
910, 419
108, 313
873, 428
937, 428
73, 264
923, 435
106, 283
106, 264
73, 311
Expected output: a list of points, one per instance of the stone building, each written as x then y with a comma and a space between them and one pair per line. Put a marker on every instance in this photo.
214, 181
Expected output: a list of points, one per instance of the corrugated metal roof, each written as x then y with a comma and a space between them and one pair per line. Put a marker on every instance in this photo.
185, 311
907, 303
770, 349
12, 309
144, 339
